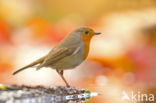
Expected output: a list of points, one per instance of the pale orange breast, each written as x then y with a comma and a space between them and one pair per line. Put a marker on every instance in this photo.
86, 50
86, 42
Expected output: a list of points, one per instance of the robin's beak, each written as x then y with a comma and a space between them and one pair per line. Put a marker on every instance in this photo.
97, 33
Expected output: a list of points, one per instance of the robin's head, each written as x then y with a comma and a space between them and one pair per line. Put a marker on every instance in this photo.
86, 33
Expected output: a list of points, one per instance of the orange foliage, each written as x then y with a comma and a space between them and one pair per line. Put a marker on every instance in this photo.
4, 33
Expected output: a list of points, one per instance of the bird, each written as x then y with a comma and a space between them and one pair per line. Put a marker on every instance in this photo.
67, 54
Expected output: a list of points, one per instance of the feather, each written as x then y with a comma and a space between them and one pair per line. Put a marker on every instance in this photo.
40, 60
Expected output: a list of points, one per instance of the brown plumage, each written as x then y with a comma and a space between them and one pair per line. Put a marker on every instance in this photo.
38, 61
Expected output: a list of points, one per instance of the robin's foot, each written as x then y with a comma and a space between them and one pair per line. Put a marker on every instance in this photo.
60, 72
67, 85
65, 81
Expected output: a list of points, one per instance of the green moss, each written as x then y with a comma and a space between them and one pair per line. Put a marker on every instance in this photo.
87, 91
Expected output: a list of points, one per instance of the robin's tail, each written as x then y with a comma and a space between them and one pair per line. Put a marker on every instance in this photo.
38, 61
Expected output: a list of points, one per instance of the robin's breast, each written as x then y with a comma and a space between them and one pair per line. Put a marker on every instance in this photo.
86, 50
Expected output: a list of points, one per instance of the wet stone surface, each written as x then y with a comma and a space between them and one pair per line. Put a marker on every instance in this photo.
42, 94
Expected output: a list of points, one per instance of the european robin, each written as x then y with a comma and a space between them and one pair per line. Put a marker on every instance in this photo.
68, 53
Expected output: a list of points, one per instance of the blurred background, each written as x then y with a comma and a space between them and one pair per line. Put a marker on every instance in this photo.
122, 58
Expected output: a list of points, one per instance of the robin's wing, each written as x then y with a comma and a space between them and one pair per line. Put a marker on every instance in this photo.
58, 54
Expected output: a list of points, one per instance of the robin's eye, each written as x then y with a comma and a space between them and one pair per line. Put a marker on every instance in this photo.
86, 32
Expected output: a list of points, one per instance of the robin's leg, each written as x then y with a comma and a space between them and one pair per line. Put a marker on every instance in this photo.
60, 72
